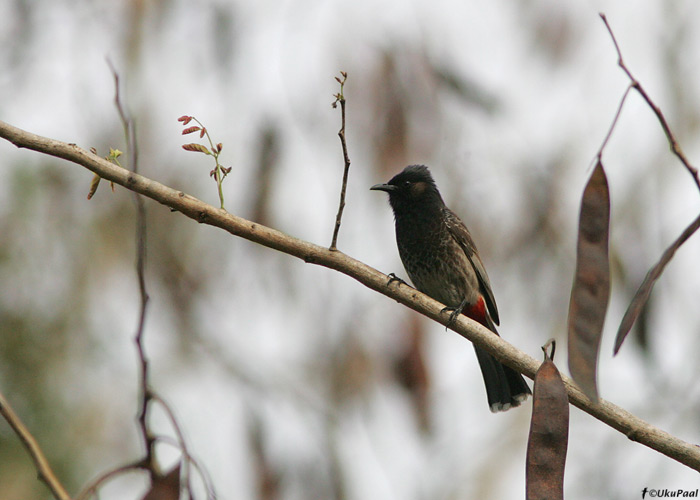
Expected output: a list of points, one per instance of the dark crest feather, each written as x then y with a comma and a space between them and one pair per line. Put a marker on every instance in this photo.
413, 173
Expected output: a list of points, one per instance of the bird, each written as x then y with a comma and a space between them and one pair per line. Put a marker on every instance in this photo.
442, 261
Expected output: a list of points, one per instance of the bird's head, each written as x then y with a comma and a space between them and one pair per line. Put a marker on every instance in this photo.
411, 188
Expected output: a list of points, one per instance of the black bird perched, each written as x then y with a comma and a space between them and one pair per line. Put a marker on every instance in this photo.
442, 261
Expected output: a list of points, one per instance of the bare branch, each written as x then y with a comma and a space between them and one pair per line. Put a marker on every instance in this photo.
131, 146
614, 122
675, 147
187, 458
644, 291
42, 465
92, 488
340, 97
633, 427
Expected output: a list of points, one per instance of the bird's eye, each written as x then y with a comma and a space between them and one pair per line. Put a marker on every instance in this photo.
406, 183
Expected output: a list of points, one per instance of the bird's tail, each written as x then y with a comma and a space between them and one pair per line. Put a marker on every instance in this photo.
505, 388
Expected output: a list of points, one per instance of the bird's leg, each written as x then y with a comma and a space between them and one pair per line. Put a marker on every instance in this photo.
393, 277
456, 311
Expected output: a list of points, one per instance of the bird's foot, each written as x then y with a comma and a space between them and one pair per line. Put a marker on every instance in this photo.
393, 277
456, 311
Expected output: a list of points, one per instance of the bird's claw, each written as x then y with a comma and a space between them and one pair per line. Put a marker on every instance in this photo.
456, 311
393, 277
453, 315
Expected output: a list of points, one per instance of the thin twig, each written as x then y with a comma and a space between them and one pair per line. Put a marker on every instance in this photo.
644, 291
182, 446
146, 395
155, 398
599, 155
203, 473
92, 488
621, 420
340, 98
675, 147
42, 465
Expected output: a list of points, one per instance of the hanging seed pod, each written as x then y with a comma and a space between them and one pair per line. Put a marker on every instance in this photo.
549, 433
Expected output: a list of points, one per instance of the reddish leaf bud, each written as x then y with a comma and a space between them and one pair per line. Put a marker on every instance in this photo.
198, 148
189, 130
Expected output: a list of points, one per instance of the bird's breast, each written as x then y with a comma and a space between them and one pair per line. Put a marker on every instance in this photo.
435, 262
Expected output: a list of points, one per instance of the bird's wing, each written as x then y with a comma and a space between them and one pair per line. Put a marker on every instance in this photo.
461, 235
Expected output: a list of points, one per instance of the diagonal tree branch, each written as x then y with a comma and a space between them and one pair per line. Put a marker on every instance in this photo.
42, 465
633, 427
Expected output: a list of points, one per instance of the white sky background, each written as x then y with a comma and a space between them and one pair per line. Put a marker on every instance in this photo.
275, 61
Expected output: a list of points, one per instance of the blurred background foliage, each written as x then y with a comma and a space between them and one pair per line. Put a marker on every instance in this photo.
294, 382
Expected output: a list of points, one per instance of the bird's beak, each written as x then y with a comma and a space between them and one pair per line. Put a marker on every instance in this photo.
383, 187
